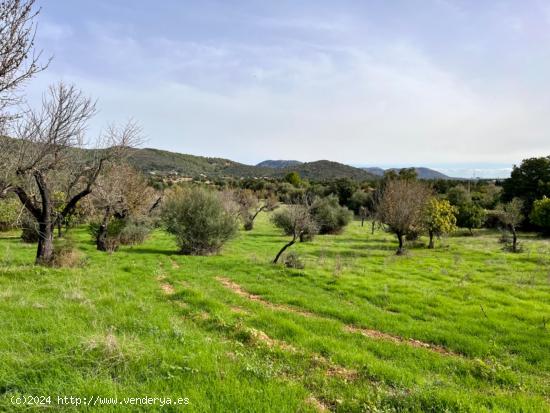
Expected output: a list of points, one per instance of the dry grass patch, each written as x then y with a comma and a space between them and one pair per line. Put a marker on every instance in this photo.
237, 289
167, 289
379, 335
316, 404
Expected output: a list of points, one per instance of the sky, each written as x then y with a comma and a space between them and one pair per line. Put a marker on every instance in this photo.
462, 86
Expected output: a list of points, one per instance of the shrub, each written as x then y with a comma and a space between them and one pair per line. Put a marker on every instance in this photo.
293, 260
198, 220
293, 178
29, 229
331, 218
135, 232
10, 210
66, 255
540, 215
111, 242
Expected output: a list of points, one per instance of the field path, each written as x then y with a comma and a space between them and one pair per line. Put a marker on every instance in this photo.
374, 334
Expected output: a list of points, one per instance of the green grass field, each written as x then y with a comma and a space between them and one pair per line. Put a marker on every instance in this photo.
464, 327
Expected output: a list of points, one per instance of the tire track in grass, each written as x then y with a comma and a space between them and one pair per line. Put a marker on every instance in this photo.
374, 334
166, 287
331, 369
236, 288
259, 336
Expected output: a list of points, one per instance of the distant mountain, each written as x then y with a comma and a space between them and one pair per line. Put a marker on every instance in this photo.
375, 170
278, 163
327, 170
427, 173
166, 162
421, 172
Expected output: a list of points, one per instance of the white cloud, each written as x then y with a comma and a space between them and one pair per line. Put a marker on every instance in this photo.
385, 103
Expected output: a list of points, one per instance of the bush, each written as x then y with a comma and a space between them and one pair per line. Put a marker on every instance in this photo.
135, 232
10, 210
29, 229
198, 220
112, 237
540, 215
66, 255
293, 260
331, 218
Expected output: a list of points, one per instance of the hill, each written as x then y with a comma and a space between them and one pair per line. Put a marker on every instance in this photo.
421, 172
163, 162
166, 162
375, 170
278, 163
327, 170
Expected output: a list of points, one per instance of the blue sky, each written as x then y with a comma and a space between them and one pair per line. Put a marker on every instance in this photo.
452, 84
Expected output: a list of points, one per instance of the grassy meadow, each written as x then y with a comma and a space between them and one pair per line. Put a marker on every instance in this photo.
464, 327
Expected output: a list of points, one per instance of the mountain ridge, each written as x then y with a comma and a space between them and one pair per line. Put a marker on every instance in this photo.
159, 161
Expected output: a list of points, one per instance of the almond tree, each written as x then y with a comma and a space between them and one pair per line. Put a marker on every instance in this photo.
250, 206
401, 207
50, 148
19, 61
121, 192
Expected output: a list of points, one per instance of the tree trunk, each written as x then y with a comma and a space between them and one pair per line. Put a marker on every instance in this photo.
362, 221
401, 249
249, 224
471, 231
59, 228
283, 250
44, 251
372, 228
431, 244
514, 240
101, 238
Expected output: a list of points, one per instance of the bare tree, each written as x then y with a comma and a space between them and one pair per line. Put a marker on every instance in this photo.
511, 215
295, 220
401, 207
19, 60
49, 149
120, 192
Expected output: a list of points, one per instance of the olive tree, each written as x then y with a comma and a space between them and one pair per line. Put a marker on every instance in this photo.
511, 215
49, 152
401, 207
330, 216
295, 221
199, 220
